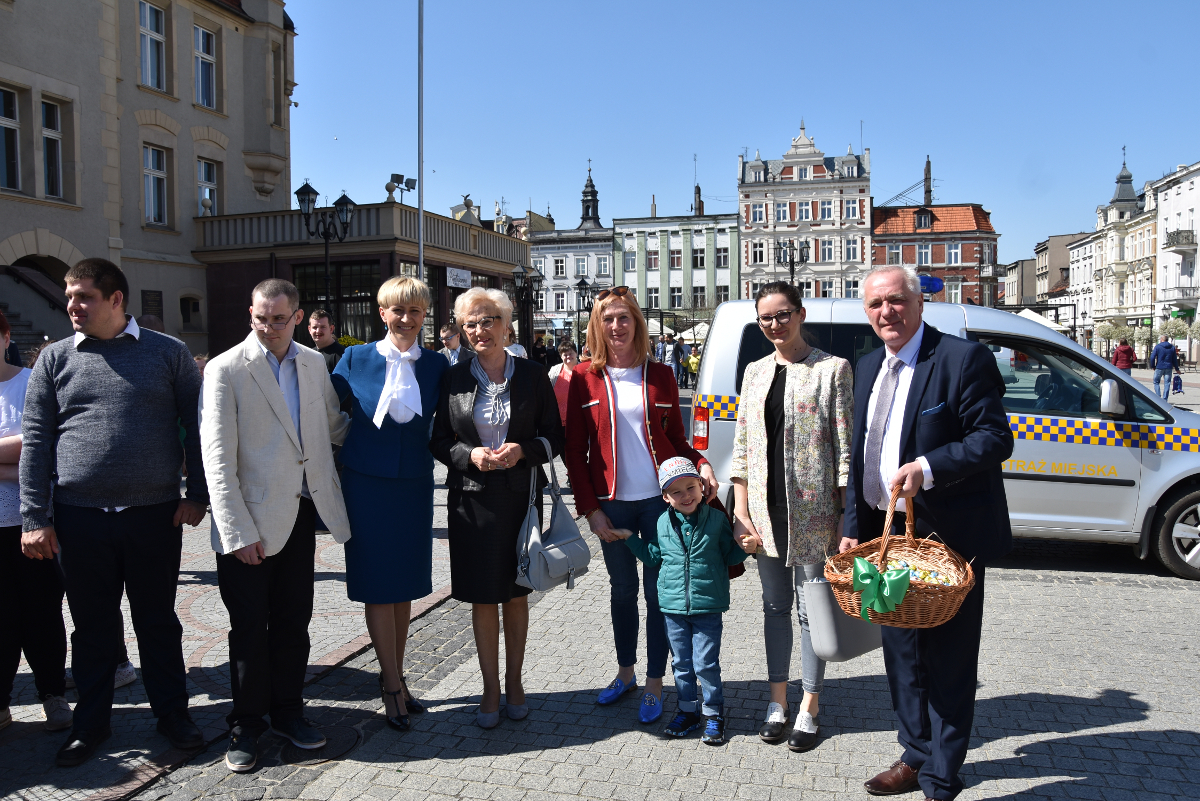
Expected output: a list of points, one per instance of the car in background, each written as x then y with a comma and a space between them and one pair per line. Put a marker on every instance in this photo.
1097, 457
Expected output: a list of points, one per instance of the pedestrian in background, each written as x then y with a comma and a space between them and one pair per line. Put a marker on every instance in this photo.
790, 464
660, 349
623, 422
491, 413
201, 361
1163, 362
151, 322
324, 337
101, 435
693, 365
948, 470
1124, 356
539, 351
393, 385
560, 376
452, 347
31, 590
511, 345
693, 553
269, 421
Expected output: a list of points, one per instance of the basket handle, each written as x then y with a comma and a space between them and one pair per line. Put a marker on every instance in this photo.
910, 528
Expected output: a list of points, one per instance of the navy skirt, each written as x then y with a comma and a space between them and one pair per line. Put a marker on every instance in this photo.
389, 556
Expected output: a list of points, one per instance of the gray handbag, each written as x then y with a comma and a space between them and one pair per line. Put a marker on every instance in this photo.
836, 637
557, 555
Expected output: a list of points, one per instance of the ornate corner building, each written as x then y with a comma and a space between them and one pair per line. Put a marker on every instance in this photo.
806, 196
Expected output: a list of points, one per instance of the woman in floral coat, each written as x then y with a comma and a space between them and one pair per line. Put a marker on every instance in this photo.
791, 460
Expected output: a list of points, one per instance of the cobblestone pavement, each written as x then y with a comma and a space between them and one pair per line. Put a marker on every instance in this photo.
135, 751
1079, 697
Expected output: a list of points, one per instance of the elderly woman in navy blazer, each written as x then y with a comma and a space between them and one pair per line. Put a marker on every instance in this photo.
387, 480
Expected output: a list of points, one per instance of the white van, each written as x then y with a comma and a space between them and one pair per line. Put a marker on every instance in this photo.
1098, 457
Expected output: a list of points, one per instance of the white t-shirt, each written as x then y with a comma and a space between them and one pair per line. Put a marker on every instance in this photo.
12, 405
637, 476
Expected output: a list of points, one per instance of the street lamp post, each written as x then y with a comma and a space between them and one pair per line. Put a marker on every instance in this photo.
786, 253
583, 303
528, 283
329, 226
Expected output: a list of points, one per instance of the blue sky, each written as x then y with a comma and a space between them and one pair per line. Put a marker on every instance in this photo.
1023, 107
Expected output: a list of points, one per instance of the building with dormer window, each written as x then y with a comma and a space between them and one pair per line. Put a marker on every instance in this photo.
806, 197
1125, 247
953, 242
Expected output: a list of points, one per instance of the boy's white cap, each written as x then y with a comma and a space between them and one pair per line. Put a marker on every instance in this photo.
673, 468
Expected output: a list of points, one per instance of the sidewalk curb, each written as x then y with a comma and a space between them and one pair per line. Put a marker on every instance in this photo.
172, 759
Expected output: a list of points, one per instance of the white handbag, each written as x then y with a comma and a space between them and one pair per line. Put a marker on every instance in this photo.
557, 555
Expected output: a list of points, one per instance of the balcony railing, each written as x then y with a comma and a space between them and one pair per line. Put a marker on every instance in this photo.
373, 221
1181, 240
1170, 293
987, 271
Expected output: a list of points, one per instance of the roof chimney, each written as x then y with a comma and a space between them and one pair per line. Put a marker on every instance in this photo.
928, 183
698, 202
653, 213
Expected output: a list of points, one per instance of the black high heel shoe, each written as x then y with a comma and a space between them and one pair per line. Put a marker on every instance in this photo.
410, 703
397, 722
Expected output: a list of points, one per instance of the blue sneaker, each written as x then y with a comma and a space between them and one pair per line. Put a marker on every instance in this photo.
650, 710
714, 731
613, 692
684, 724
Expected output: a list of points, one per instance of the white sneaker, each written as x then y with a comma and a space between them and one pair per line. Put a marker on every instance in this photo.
125, 675
58, 713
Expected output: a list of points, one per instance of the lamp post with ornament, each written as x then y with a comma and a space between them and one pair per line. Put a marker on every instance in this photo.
330, 225
789, 255
528, 283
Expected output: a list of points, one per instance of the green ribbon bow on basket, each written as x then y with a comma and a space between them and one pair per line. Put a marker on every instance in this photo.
883, 593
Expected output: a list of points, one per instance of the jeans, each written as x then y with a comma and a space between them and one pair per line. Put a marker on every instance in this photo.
102, 552
781, 587
696, 641
641, 517
31, 595
1163, 374
270, 606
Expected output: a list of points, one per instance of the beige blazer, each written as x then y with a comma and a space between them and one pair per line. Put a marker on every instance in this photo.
252, 456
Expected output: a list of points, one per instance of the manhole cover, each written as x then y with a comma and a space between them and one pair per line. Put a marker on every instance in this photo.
341, 740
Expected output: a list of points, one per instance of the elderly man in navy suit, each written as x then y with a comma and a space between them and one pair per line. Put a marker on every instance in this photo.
928, 418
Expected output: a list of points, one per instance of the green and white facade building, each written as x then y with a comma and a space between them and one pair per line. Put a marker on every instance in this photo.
686, 264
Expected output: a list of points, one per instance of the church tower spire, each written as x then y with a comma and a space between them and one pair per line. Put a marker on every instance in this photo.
591, 203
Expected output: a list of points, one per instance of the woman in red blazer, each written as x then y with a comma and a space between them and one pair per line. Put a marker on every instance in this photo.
623, 421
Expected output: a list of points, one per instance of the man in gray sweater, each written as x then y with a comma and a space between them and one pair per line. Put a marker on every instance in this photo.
100, 489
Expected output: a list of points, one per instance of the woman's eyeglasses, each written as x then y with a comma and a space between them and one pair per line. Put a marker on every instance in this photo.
616, 291
484, 323
782, 318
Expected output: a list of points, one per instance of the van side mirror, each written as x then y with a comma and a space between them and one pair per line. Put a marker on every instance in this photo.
1110, 397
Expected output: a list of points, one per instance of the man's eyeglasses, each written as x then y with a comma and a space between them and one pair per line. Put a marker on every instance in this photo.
616, 291
450, 337
782, 318
257, 326
484, 323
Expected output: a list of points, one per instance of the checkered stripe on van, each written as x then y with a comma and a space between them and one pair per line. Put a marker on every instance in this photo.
1105, 432
721, 407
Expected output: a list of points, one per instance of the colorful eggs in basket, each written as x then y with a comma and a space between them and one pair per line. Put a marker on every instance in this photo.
920, 573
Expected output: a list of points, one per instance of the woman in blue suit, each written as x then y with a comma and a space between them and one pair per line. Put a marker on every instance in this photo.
387, 480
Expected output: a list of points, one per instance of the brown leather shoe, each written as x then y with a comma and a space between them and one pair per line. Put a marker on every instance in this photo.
897, 779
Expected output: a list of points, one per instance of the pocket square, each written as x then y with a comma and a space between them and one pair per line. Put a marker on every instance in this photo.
935, 409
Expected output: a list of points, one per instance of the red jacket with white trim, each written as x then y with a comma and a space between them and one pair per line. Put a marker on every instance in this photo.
591, 453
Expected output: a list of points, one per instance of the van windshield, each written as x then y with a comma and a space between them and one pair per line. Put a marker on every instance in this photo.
849, 341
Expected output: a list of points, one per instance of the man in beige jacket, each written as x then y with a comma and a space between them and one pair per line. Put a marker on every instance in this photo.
269, 416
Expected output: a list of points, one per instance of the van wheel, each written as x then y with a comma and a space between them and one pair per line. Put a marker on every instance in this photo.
1179, 535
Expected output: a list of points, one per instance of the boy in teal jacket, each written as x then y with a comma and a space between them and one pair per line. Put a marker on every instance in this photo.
694, 551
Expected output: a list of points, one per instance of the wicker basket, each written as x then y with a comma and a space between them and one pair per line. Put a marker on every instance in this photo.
925, 605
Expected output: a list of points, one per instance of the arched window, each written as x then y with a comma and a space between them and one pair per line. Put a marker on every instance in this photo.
190, 314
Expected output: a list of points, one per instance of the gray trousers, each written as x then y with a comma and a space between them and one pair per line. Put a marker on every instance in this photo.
781, 587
